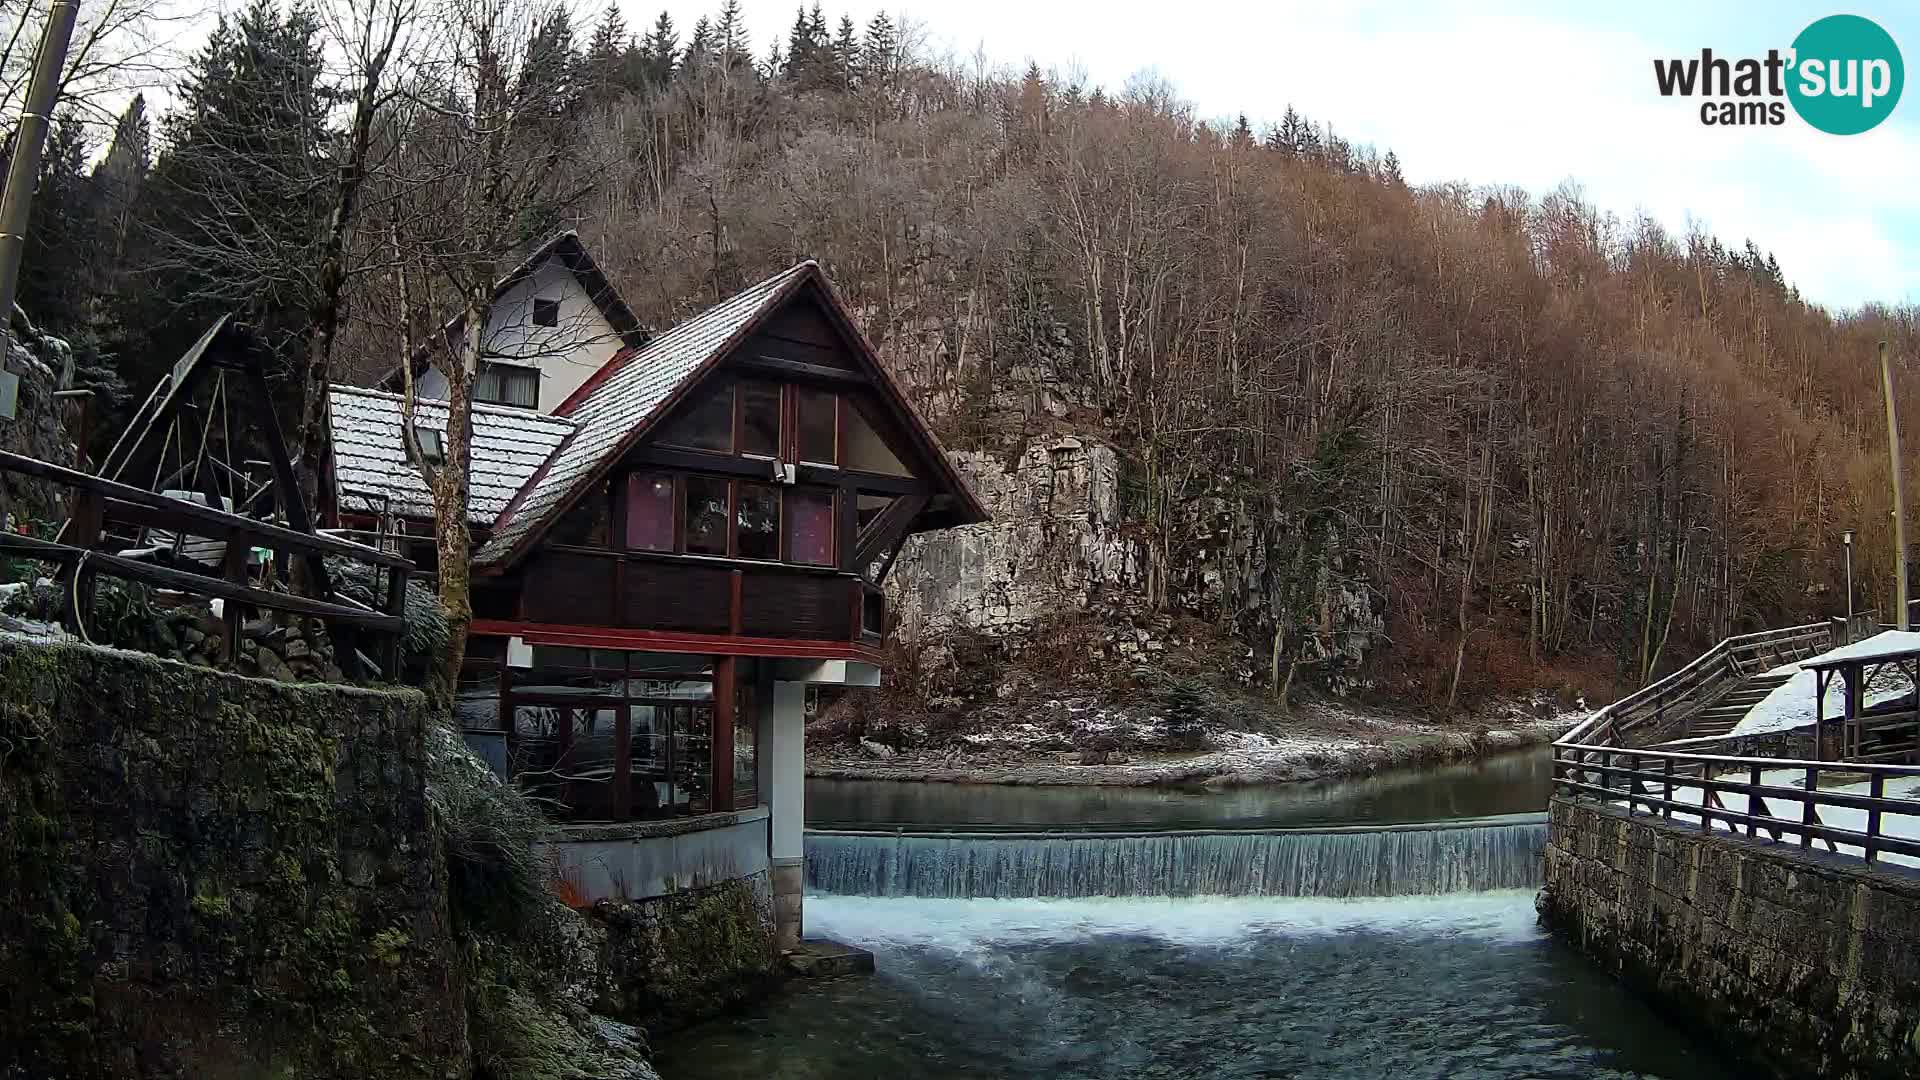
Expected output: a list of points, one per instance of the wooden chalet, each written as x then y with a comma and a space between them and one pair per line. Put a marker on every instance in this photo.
670, 552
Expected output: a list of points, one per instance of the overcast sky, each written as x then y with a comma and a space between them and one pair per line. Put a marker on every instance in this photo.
1494, 93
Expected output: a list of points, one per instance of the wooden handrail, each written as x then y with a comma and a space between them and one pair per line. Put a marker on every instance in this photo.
1622, 712
98, 499
126, 501
1575, 770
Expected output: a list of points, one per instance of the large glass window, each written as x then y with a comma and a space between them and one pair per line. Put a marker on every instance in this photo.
810, 526
650, 511
757, 522
706, 516
706, 424
817, 410
760, 418
576, 711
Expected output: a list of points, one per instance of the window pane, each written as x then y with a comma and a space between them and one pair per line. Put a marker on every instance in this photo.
816, 426
810, 527
649, 511
866, 451
507, 384
760, 418
706, 424
651, 782
586, 523
759, 522
546, 313
872, 506
746, 744
706, 516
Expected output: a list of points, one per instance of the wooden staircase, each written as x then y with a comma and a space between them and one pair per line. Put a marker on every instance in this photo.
1723, 715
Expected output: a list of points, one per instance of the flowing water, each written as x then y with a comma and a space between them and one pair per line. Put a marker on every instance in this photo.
1386, 861
1276, 946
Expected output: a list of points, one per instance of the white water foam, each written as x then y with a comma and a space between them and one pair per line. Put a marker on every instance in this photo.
971, 926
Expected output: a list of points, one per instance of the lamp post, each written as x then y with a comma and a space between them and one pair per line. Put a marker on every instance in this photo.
1846, 538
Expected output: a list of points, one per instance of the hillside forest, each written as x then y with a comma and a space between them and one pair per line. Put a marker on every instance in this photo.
1548, 444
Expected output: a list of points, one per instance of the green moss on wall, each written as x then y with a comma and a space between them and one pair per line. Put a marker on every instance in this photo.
690, 954
209, 875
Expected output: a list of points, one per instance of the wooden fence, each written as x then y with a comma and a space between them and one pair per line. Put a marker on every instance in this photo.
82, 551
1599, 761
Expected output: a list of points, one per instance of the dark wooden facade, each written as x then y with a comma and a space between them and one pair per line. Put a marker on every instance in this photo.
755, 520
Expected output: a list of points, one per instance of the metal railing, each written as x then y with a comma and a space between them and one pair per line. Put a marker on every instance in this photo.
1779, 798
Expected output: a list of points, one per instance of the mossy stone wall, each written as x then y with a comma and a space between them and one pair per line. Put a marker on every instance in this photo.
208, 875
690, 954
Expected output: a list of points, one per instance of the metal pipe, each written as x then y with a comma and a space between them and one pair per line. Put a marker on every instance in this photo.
30, 137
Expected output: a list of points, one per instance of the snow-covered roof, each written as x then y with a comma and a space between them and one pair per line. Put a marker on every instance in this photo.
613, 413
1791, 704
1883, 644
509, 446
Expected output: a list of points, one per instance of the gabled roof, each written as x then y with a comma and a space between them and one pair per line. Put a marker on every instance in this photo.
638, 386
566, 247
370, 462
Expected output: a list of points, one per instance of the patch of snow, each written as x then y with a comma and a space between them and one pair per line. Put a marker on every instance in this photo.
1791, 704
1903, 825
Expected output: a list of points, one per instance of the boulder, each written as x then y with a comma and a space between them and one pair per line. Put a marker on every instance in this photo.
876, 749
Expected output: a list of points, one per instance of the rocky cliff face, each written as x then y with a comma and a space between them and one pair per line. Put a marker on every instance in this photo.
1064, 545
1057, 544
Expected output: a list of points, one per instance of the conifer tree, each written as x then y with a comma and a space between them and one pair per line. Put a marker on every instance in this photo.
730, 36
1242, 132
55, 265
230, 217
699, 52
116, 185
659, 51
1390, 170
606, 60
879, 53
846, 53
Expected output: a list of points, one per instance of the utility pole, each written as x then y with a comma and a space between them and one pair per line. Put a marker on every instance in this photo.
36, 116
1899, 498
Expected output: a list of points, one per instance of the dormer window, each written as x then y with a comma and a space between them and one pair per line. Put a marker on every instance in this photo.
546, 313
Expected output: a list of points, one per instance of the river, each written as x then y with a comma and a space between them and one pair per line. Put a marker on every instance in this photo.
1458, 982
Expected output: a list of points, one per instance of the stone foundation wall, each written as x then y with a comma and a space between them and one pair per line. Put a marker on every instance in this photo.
1807, 964
214, 876
690, 954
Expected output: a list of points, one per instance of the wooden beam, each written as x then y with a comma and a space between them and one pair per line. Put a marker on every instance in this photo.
761, 469
796, 369
120, 497
201, 584
181, 515
888, 529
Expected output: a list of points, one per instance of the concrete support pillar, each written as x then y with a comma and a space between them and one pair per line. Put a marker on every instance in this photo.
783, 732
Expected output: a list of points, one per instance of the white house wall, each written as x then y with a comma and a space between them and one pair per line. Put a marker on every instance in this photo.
566, 354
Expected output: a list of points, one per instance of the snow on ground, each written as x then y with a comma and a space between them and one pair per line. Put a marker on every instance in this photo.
1791, 705
1905, 826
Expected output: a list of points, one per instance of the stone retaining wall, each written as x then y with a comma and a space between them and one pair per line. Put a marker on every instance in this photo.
1806, 963
205, 875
